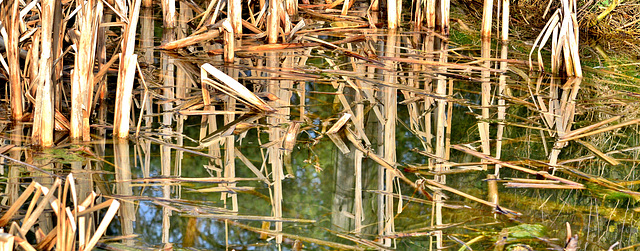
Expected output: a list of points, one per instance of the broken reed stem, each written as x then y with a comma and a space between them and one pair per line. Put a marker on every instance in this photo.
233, 88
82, 81
126, 73
43, 121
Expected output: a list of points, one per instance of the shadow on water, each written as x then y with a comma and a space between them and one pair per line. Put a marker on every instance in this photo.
377, 140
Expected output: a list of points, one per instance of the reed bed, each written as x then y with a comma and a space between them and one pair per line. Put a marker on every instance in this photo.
249, 86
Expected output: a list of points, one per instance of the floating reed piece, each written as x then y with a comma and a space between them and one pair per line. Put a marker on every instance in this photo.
71, 223
233, 88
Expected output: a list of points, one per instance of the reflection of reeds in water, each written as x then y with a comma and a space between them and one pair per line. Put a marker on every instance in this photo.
71, 221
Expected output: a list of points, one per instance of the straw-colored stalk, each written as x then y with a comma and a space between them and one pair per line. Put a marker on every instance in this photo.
445, 6
563, 26
289, 139
232, 87
11, 22
275, 153
229, 41
374, 6
338, 125
492, 183
483, 125
168, 13
235, 15
273, 22
43, 123
82, 81
126, 75
394, 10
502, 109
505, 20
487, 16
292, 7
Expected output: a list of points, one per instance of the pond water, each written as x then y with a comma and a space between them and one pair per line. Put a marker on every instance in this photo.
448, 144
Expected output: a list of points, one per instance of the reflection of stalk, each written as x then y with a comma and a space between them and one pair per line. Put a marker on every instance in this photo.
441, 142
388, 148
123, 185
502, 86
275, 153
229, 154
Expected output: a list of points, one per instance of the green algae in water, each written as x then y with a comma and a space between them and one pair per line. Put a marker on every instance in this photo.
527, 231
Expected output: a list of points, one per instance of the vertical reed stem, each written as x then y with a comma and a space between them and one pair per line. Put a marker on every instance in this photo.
273, 22
11, 22
487, 16
235, 15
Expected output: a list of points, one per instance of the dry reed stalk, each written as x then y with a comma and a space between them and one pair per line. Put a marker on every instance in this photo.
483, 125
339, 124
250, 165
292, 7
233, 88
273, 26
82, 81
190, 40
505, 20
289, 139
126, 73
6, 242
579, 136
590, 127
124, 97
394, 9
492, 183
593, 149
274, 151
335, 138
11, 21
502, 109
43, 126
445, 6
229, 41
235, 16
168, 13
487, 18
490, 159
471, 197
